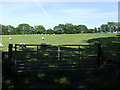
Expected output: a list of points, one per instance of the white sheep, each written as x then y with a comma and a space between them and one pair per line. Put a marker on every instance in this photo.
43, 38
96, 42
10, 38
1, 45
115, 32
22, 45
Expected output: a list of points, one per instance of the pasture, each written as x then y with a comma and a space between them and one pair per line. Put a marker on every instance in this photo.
61, 39
110, 41
110, 46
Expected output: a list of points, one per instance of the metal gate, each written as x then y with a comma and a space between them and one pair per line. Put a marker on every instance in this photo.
43, 57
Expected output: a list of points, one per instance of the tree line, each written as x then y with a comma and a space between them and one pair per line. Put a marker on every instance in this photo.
67, 28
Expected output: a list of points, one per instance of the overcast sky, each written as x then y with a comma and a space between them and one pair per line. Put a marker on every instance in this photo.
50, 14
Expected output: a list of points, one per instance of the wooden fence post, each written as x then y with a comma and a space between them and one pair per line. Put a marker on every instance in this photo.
99, 53
15, 47
58, 53
3, 55
10, 53
37, 52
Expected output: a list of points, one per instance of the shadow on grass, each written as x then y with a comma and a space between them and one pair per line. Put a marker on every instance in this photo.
110, 47
61, 79
52, 79
108, 75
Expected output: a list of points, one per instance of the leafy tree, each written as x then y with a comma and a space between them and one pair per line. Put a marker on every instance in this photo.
90, 30
83, 28
58, 29
32, 30
111, 26
5, 30
24, 29
104, 28
118, 27
50, 31
39, 29
95, 30
11, 30
99, 30
78, 28
68, 28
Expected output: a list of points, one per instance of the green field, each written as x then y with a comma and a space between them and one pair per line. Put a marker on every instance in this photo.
53, 39
110, 46
110, 41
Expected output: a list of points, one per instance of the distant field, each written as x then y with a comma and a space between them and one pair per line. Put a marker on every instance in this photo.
53, 39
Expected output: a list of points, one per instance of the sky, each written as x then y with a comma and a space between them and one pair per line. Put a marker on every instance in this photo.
50, 14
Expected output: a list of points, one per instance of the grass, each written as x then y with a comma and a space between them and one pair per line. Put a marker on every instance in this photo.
110, 45
109, 41
52, 39
60, 79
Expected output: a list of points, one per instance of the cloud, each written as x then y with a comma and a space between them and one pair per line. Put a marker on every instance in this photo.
51, 14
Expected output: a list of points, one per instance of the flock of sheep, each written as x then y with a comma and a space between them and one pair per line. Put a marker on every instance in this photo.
23, 44
20, 44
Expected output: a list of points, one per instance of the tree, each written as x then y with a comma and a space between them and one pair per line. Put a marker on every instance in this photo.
39, 29
11, 30
99, 30
83, 28
95, 30
68, 28
111, 26
5, 30
90, 30
32, 30
118, 26
104, 28
24, 29
78, 29
50, 31
58, 29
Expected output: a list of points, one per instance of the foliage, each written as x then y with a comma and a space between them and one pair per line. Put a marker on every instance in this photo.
67, 28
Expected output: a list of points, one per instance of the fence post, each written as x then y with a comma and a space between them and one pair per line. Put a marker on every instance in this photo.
15, 47
10, 53
58, 53
37, 52
99, 54
3, 55
79, 53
